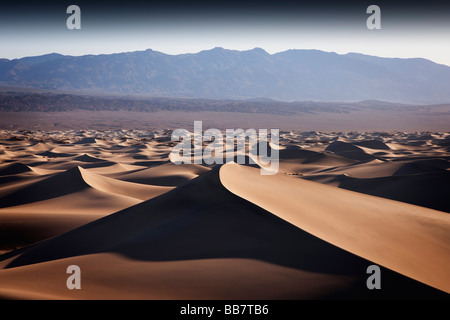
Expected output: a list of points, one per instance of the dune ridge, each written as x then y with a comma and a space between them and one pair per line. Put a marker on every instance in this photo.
387, 231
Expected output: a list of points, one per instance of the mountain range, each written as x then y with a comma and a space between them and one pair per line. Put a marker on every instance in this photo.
293, 75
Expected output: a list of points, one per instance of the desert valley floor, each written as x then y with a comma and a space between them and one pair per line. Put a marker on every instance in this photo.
141, 227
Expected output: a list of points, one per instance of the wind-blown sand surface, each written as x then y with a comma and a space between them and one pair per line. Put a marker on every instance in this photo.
141, 227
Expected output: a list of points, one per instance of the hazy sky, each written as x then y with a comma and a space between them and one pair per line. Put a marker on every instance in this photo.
408, 29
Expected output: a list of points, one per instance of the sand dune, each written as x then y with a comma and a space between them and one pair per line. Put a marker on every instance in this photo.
295, 160
141, 227
167, 174
373, 144
129, 189
429, 190
348, 150
37, 203
410, 240
207, 278
14, 168
88, 158
377, 168
51, 154
166, 230
40, 146
63, 201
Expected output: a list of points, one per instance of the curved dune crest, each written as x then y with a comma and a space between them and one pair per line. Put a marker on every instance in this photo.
14, 168
408, 239
37, 209
86, 140
348, 150
40, 147
42, 171
125, 188
373, 144
75, 180
300, 161
208, 279
167, 174
52, 154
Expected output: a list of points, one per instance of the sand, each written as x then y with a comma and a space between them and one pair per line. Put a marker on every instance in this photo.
141, 227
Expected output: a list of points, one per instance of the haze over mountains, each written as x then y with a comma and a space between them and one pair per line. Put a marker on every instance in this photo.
229, 74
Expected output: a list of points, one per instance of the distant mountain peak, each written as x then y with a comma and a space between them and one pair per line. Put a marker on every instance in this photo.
41, 58
259, 50
218, 49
